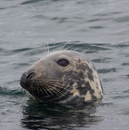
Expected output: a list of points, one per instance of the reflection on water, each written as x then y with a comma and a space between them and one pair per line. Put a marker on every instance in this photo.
54, 116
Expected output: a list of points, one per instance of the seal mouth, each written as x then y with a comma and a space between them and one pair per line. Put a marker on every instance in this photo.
44, 90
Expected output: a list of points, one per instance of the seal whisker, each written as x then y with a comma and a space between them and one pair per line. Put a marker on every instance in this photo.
50, 88
48, 47
51, 83
58, 91
46, 87
38, 90
65, 45
54, 84
45, 90
61, 95
53, 90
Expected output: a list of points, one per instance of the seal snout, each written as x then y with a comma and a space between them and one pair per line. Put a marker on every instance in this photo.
25, 78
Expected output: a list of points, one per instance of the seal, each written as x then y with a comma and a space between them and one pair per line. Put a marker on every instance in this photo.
66, 77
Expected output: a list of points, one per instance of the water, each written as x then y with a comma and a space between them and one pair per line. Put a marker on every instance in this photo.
98, 29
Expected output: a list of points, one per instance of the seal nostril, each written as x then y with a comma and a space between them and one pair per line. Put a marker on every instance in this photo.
29, 76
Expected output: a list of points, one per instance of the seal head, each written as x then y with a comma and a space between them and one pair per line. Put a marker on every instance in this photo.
66, 77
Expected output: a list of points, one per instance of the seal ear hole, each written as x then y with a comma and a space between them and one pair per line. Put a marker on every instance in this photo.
63, 62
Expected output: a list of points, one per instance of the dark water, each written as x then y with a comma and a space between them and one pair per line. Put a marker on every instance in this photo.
97, 28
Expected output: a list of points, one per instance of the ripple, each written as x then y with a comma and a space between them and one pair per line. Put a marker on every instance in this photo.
122, 19
97, 27
60, 19
4, 91
22, 49
107, 70
30, 2
125, 64
102, 60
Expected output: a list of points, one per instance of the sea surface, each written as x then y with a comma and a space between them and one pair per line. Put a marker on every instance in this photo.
97, 28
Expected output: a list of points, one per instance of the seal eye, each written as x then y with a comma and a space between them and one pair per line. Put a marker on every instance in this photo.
63, 62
